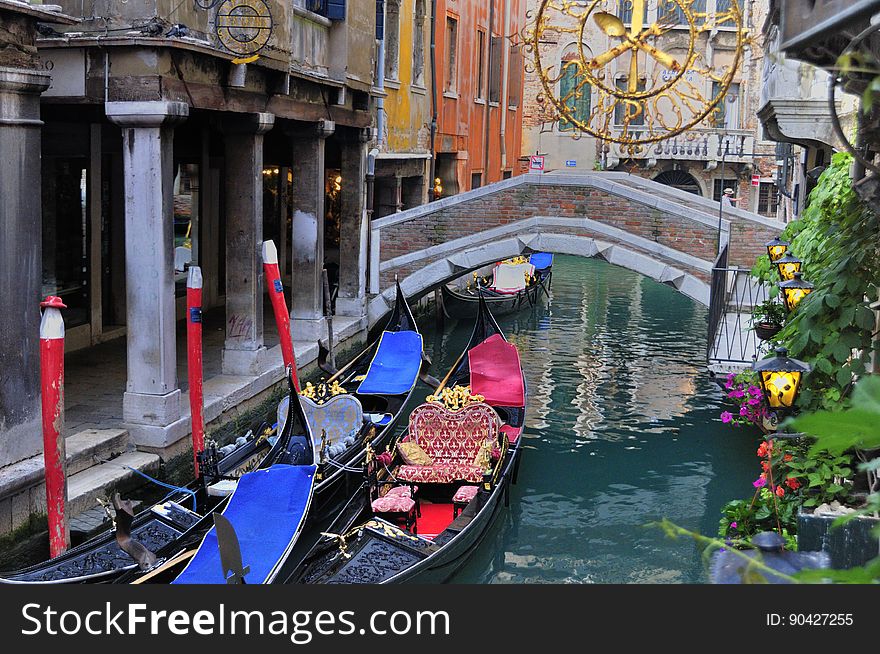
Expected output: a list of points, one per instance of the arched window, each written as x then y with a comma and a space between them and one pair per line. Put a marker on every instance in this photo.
680, 180
574, 92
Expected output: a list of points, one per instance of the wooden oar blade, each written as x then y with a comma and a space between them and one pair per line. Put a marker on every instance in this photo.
230, 551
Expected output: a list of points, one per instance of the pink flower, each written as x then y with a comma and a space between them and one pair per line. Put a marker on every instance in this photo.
760, 482
733, 525
727, 416
737, 393
744, 410
754, 390
754, 400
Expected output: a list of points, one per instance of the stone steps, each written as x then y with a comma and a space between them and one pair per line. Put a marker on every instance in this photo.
85, 448
102, 479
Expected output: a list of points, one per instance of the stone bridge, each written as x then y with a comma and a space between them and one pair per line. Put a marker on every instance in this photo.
669, 235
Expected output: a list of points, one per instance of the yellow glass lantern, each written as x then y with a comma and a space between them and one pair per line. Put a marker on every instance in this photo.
795, 290
780, 378
788, 266
776, 249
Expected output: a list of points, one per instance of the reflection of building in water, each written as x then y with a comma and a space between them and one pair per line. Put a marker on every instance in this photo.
538, 369
591, 362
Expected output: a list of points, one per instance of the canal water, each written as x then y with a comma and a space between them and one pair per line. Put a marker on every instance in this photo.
621, 430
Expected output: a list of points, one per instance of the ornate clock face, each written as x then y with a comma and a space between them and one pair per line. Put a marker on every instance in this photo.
642, 81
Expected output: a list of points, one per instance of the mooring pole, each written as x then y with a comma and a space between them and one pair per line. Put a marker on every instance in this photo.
194, 361
54, 453
279, 307
328, 310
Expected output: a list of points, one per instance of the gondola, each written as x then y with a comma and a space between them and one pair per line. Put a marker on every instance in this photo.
503, 286
270, 508
174, 518
417, 520
360, 404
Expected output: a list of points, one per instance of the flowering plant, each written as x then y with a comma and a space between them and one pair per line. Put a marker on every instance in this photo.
742, 388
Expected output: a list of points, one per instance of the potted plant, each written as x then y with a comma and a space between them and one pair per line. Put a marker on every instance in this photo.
768, 318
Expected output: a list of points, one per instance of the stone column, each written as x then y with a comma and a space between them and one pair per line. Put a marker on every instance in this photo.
351, 300
21, 273
307, 236
244, 352
152, 398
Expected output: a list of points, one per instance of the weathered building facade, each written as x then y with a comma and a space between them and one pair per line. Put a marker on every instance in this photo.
179, 134
478, 90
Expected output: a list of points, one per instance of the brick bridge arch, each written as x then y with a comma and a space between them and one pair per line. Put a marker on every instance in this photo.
661, 232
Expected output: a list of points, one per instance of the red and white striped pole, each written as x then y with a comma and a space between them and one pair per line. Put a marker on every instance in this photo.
279, 306
54, 454
194, 360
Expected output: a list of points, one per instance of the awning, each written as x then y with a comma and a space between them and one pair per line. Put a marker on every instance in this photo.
395, 366
496, 373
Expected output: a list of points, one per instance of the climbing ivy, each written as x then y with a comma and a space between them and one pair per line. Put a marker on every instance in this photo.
832, 328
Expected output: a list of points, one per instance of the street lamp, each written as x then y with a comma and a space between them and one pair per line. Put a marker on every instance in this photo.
776, 249
788, 266
780, 378
371, 182
795, 290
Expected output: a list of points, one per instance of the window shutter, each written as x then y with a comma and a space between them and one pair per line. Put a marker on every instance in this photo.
380, 19
336, 9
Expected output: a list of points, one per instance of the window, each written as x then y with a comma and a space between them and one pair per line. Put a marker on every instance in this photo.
450, 85
625, 11
726, 113
418, 74
768, 198
719, 185
507, 174
722, 6
332, 9
392, 39
495, 44
476, 180
628, 110
669, 12
574, 93
481, 65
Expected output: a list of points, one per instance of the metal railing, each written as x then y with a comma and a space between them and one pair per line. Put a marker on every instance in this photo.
734, 294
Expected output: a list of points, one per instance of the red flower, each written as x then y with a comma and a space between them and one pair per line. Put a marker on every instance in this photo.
780, 491
765, 465
763, 475
792, 483
787, 458
762, 450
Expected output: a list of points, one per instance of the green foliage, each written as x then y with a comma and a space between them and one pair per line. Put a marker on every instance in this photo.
770, 312
853, 428
823, 476
832, 327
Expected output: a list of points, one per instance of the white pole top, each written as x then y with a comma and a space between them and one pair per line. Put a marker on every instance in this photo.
51, 324
270, 254
194, 277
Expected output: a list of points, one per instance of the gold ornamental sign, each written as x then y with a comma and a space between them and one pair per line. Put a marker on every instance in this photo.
635, 72
244, 27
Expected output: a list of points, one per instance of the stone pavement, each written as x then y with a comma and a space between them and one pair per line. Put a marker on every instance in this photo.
95, 377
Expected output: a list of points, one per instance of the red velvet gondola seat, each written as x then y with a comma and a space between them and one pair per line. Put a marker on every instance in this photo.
452, 440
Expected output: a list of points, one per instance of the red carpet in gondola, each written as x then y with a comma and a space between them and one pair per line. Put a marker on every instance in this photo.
435, 518
496, 373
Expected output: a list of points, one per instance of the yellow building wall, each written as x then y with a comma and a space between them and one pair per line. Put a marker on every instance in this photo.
408, 107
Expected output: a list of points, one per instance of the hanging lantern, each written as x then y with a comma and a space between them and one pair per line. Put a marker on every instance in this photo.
795, 290
788, 266
438, 188
780, 379
776, 249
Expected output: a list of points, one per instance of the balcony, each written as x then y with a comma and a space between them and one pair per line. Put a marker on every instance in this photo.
310, 43
704, 145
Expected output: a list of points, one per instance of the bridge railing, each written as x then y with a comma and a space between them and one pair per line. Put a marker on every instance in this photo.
734, 293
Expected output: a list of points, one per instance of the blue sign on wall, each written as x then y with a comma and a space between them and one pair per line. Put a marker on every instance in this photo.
571, 163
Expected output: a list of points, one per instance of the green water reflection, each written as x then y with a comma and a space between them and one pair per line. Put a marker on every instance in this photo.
621, 430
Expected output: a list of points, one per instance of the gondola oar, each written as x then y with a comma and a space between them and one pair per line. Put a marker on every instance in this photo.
328, 309
230, 551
